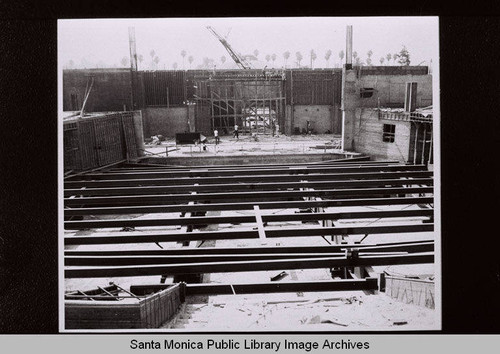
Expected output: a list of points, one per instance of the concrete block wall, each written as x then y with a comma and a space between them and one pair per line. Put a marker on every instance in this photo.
389, 90
322, 118
167, 121
368, 132
319, 116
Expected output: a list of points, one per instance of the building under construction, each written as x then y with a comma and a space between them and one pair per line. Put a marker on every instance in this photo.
194, 234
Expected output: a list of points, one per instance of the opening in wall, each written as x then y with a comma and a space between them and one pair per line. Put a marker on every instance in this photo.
389, 133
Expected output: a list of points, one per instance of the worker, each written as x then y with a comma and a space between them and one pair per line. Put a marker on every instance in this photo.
216, 135
235, 134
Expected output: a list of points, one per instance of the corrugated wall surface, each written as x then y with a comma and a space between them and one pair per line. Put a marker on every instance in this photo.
313, 87
164, 88
111, 91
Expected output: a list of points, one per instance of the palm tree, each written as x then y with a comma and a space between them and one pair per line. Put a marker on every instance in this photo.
156, 60
183, 55
152, 54
388, 57
341, 56
268, 57
140, 58
404, 57
286, 55
190, 60
369, 57
299, 57
382, 60
313, 56
223, 59
256, 53
174, 65
273, 58
328, 54
124, 61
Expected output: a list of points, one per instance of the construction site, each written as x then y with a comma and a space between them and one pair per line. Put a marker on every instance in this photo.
249, 199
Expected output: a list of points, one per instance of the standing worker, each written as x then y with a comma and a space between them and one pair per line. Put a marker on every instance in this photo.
216, 135
236, 132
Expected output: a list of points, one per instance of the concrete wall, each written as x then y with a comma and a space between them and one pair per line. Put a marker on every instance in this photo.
167, 121
139, 132
389, 90
203, 120
322, 118
368, 132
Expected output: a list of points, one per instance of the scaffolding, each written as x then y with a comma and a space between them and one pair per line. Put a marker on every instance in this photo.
255, 102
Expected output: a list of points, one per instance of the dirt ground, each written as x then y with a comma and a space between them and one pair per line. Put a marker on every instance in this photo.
250, 145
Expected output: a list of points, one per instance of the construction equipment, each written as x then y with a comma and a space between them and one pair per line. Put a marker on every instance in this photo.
239, 60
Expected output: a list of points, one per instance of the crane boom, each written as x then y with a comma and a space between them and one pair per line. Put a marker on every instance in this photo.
241, 62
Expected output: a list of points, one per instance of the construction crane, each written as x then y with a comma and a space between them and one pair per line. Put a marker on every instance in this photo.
241, 62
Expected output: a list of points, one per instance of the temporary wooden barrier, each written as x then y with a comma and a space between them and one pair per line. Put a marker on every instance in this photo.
148, 312
99, 140
411, 291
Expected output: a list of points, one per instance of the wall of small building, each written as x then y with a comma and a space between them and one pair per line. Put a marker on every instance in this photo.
368, 136
387, 87
167, 121
389, 90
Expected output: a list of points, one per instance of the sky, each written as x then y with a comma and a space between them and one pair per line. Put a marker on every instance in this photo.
91, 42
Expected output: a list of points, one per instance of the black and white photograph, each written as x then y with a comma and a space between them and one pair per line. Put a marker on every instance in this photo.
249, 174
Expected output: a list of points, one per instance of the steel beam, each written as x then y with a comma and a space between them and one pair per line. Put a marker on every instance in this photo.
246, 266
263, 288
299, 204
244, 179
242, 234
84, 224
410, 247
254, 172
247, 196
148, 190
177, 259
248, 167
